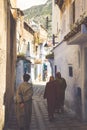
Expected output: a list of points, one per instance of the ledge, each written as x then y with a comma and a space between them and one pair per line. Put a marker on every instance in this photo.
22, 57
78, 34
79, 37
50, 56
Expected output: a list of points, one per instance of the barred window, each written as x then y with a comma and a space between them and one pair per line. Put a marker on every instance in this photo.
70, 71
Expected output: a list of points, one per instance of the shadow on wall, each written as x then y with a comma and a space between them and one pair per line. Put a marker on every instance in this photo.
76, 104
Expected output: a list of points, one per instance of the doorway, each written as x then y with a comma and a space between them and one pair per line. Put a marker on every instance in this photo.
85, 83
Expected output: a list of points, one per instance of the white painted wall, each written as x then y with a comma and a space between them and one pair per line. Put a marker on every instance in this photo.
66, 55
19, 73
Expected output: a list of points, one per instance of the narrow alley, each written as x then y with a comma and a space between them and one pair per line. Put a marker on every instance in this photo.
65, 121
42, 40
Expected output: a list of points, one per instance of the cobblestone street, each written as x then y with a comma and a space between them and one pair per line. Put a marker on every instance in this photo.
65, 121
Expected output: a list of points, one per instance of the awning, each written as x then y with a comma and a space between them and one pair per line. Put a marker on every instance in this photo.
80, 37
21, 57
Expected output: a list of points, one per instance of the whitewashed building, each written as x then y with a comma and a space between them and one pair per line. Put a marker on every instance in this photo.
69, 26
25, 49
40, 38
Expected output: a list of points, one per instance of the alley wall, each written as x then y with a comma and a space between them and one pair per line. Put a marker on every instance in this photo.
2, 59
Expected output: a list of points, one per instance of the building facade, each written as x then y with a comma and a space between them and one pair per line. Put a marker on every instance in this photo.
3, 48
7, 57
25, 49
70, 18
40, 38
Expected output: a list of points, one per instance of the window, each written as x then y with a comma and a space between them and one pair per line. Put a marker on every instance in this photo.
27, 67
55, 70
70, 71
79, 58
28, 46
73, 11
64, 23
59, 3
56, 1
57, 28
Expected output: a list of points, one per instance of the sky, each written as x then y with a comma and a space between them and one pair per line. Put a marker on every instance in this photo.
24, 4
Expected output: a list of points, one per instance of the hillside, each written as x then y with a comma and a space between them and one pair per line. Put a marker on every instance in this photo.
39, 13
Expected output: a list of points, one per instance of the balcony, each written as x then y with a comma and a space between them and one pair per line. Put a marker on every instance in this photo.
59, 3
78, 34
22, 57
50, 56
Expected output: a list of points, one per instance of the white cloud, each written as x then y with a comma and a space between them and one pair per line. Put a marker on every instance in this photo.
24, 4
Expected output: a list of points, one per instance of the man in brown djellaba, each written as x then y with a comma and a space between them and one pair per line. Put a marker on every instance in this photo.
24, 103
60, 86
49, 94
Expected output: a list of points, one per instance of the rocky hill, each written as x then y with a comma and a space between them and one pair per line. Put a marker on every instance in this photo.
39, 14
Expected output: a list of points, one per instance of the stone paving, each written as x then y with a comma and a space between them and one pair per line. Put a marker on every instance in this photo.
65, 121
